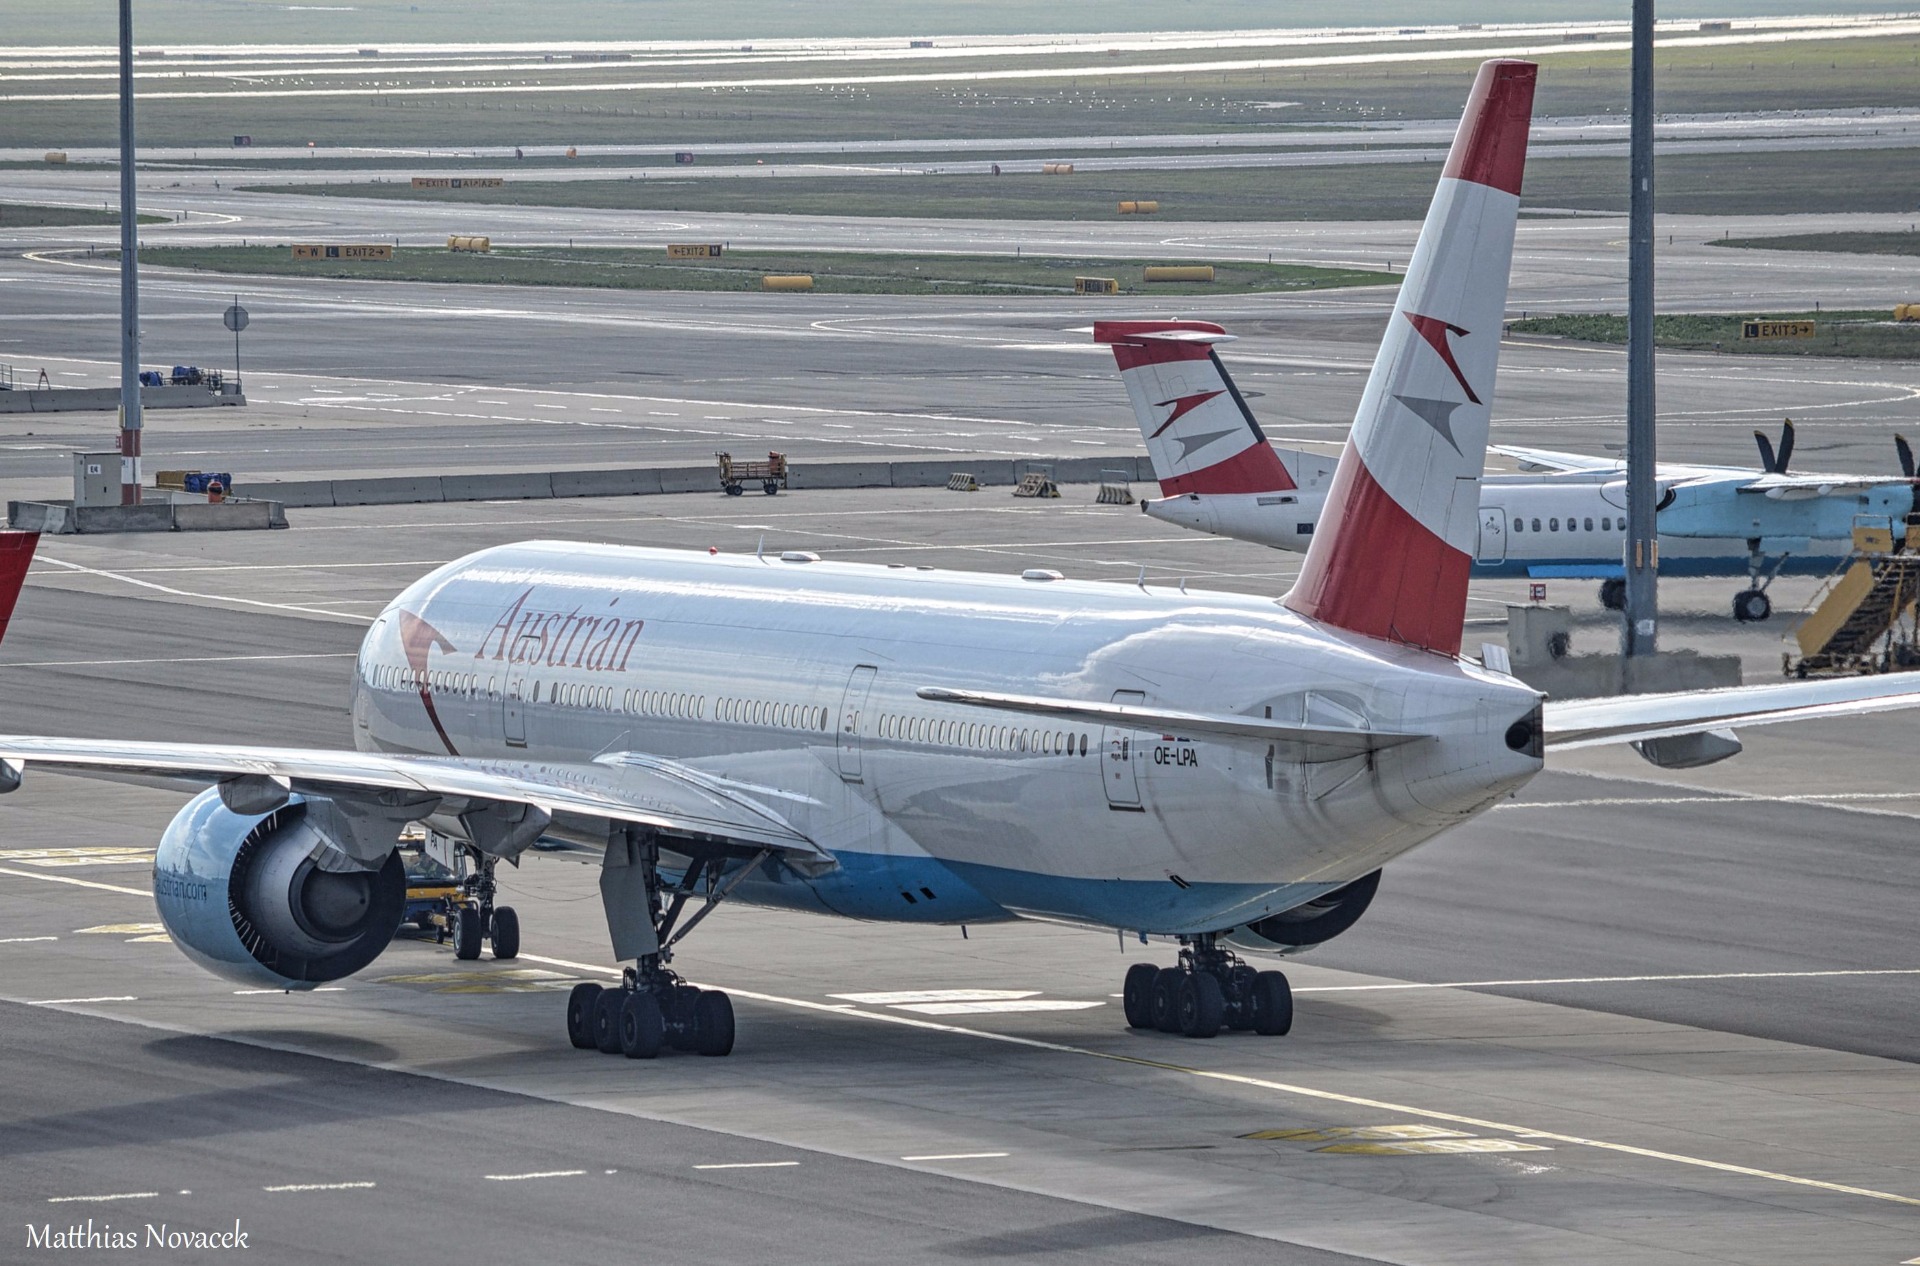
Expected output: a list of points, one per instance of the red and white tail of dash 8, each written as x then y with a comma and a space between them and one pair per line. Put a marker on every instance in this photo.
1395, 542
16, 555
1200, 434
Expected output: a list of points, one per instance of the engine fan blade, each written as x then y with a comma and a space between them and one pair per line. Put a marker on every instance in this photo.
1786, 445
1767, 462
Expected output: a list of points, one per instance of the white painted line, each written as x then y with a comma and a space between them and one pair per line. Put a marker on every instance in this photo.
1611, 980
63, 1002
958, 1156
545, 1173
122, 1195
1279, 1087
1006, 1007
903, 996
752, 1165
203, 596
22, 940
319, 1186
78, 883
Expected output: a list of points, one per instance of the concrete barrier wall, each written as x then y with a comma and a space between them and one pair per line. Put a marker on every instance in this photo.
639, 481
58, 518
107, 399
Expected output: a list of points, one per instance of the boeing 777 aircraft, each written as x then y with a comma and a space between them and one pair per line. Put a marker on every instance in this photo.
886, 743
1219, 474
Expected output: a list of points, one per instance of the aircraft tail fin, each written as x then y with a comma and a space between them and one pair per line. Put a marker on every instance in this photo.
16, 555
1199, 431
1395, 542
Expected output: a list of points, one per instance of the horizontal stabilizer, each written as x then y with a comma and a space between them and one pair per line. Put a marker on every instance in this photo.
1576, 723
1308, 742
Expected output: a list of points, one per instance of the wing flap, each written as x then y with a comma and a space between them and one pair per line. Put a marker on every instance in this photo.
1312, 742
644, 791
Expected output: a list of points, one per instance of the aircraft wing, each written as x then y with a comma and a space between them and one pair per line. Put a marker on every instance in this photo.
1537, 459
623, 787
1307, 742
1577, 723
1807, 487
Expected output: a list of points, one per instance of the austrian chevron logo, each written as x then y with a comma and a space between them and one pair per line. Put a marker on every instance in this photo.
1181, 406
417, 639
1436, 413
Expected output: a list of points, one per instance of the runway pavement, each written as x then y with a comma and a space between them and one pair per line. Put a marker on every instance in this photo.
1703, 1049
392, 376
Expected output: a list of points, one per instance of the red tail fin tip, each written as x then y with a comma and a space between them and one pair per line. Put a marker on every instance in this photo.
16, 555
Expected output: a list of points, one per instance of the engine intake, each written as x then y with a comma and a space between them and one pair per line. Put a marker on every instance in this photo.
271, 898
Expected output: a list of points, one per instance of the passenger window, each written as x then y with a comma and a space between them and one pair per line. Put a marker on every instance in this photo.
1588, 523
1519, 525
1553, 525
1536, 525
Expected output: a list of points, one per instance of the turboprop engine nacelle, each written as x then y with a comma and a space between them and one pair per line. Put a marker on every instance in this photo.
247, 896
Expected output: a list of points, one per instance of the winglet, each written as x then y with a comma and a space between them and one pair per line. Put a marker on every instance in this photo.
16, 554
1395, 542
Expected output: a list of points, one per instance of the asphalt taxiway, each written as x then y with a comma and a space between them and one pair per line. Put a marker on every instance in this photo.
1654, 1016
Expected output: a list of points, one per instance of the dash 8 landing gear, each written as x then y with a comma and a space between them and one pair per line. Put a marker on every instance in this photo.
1210, 990
653, 1008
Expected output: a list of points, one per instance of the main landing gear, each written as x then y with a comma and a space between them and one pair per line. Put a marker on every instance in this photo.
653, 1009
1210, 990
476, 919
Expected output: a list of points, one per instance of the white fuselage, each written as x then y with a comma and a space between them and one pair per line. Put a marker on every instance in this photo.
1571, 524
799, 678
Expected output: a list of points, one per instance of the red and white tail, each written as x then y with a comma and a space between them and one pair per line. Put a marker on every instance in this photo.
1199, 431
16, 555
1394, 544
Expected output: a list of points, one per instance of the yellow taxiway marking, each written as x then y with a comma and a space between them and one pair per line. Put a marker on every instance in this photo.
1338, 1133
1288, 1088
121, 929
1432, 1147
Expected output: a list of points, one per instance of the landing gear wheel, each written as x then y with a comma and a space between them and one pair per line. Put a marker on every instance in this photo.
1137, 995
713, 1023
1750, 606
1240, 999
1201, 1003
677, 1009
466, 933
1166, 999
606, 1021
1613, 594
1272, 1004
505, 932
640, 1027
735, 490
770, 488
580, 1007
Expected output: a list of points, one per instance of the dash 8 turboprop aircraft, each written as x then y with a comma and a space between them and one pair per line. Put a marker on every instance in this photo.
1218, 474
886, 743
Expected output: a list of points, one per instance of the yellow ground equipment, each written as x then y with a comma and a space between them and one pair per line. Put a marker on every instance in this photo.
478, 245
1906, 311
1178, 272
1139, 208
792, 281
1863, 618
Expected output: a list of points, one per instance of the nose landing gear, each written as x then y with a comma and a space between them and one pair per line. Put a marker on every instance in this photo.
1210, 990
1751, 605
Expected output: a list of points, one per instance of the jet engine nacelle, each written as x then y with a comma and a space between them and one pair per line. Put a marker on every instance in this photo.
246, 896
1315, 923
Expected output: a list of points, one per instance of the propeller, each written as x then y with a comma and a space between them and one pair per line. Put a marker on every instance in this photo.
1905, 450
1770, 462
